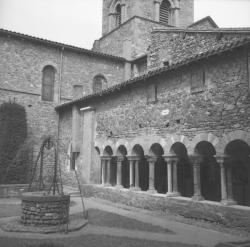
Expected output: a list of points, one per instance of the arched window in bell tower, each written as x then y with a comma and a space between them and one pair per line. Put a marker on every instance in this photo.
118, 15
165, 12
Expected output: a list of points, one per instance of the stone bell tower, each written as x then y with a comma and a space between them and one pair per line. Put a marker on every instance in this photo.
178, 13
127, 26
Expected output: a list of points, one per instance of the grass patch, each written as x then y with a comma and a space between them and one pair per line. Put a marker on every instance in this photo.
88, 241
8, 210
103, 218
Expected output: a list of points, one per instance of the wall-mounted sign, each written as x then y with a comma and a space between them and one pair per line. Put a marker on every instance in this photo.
165, 112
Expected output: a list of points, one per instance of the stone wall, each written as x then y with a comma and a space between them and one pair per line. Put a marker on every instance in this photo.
146, 9
12, 190
22, 62
131, 38
21, 65
221, 105
230, 216
173, 46
42, 210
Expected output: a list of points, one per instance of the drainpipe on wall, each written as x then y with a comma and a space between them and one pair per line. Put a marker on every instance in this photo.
58, 117
60, 76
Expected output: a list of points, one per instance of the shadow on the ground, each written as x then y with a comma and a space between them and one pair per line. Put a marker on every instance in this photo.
103, 218
235, 244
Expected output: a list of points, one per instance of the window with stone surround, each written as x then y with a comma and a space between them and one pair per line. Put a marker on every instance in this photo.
99, 83
48, 83
151, 93
165, 12
198, 77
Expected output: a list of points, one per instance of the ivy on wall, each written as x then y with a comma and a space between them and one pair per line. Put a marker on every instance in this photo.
14, 151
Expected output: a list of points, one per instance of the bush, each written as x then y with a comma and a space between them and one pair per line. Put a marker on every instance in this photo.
14, 154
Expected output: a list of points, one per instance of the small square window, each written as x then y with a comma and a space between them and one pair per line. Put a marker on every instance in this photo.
151, 91
198, 77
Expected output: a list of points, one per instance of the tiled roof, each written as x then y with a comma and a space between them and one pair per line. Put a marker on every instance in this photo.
150, 74
57, 44
207, 18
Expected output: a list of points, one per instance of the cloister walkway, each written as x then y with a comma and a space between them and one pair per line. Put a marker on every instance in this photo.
182, 233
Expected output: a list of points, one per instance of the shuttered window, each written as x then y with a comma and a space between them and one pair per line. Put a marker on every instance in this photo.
48, 83
118, 15
165, 12
99, 83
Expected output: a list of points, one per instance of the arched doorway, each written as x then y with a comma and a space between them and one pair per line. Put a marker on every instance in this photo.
184, 170
161, 180
209, 171
239, 160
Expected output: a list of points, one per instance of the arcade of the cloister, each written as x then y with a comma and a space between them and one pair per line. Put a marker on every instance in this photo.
203, 168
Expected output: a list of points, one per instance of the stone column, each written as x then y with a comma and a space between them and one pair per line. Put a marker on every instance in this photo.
220, 160
120, 159
172, 162
151, 161
230, 199
131, 172
157, 10
170, 184
108, 160
137, 185
196, 160
175, 161
103, 171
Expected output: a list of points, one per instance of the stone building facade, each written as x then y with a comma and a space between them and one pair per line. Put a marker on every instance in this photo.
158, 109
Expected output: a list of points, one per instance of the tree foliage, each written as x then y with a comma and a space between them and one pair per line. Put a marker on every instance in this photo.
14, 153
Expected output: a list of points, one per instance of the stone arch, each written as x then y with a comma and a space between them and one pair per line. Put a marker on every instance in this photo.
151, 140
184, 168
207, 137
235, 135
172, 139
121, 143
105, 144
209, 170
160, 169
137, 150
156, 150
108, 151
173, 3
48, 83
238, 170
141, 140
99, 83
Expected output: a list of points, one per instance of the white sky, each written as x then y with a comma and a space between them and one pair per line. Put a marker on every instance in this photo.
78, 22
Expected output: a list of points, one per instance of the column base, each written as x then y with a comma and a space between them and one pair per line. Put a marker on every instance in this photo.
228, 202
135, 188
172, 194
152, 191
119, 187
197, 198
107, 185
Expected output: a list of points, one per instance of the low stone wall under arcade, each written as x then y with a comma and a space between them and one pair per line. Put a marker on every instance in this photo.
230, 216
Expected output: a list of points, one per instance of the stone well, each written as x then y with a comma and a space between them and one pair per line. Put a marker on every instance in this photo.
40, 209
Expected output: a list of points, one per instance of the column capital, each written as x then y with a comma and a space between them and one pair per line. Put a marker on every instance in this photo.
106, 157
196, 159
133, 158
152, 159
171, 158
221, 158
120, 158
